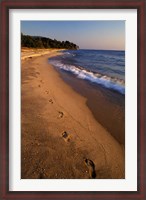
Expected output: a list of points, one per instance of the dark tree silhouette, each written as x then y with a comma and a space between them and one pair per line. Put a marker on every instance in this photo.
43, 42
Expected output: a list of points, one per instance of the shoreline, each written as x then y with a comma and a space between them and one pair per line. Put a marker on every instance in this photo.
102, 102
59, 132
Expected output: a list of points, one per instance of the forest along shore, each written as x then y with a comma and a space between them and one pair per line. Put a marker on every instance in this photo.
60, 136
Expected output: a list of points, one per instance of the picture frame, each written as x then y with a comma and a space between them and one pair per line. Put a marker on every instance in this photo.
5, 104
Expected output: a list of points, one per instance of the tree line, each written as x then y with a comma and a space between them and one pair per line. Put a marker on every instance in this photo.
43, 42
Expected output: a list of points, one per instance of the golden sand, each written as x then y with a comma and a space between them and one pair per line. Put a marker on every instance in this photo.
60, 136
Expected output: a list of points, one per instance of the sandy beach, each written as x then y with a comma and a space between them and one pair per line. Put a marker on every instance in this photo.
60, 137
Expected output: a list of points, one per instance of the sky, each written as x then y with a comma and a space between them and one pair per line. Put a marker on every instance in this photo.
107, 35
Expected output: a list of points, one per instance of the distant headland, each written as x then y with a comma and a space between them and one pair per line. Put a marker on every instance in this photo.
43, 42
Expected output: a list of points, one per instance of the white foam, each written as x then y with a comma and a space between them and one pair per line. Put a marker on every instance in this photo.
106, 81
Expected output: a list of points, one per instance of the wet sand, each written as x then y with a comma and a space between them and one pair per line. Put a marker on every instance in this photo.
61, 139
107, 106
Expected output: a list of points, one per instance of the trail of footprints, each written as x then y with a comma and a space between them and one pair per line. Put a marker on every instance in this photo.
66, 136
89, 163
60, 114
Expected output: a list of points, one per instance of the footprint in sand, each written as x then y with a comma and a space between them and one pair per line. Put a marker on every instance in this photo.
47, 91
66, 136
60, 114
39, 85
41, 81
51, 101
38, 73
91, 168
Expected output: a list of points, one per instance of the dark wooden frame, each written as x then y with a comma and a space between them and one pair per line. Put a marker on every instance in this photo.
140, 5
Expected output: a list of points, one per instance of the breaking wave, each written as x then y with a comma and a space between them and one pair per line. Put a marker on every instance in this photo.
104, 80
